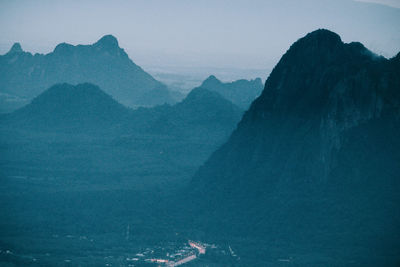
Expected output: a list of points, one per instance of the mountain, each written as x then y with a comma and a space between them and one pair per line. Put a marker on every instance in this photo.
64, 106
240, 92
103, 63
202, 106
200, 112
313, 165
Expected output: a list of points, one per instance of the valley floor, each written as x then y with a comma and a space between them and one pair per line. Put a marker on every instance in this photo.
44, 224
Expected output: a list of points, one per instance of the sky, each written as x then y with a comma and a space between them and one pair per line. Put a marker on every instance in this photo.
392, 3
208, 33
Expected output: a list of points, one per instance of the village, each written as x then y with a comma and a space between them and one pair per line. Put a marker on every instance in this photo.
159, 257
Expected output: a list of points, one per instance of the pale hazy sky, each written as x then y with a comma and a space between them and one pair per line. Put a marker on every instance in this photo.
393, 3
218, 33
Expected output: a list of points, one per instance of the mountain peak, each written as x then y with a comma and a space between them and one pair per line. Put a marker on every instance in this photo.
16, 48
63, 48
204, 95
318, 42
324, 35
292, 85
204, 106
66, 106
210, 81
107, 41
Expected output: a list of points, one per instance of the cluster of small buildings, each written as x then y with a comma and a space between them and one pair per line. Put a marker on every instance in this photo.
182, 256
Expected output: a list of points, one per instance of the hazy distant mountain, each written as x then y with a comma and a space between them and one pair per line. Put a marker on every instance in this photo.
240, 92
201, 111
64, 106
314, 163
103, 63
201, 108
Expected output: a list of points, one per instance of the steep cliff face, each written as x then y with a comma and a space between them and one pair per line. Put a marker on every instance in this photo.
317, 152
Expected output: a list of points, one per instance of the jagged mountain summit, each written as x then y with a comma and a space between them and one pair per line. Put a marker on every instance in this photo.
315, 160
103, 63
16, 48
240, 92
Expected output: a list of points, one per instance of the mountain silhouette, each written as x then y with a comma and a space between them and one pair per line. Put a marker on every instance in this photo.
315, 158
240, 92
16, 48
68, 107
103, 63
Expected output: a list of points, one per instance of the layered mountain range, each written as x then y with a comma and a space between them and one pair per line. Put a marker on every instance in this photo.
104, 63
315, 160
86, 107
311, 171
69, 126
